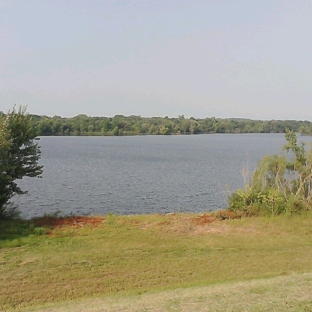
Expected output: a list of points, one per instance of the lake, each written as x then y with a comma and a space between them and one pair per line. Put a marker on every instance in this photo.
142, 174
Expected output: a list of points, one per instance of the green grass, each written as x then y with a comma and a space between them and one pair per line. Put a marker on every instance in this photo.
133, 255
284, 293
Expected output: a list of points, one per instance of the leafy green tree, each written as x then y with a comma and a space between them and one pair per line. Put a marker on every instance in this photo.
19, 155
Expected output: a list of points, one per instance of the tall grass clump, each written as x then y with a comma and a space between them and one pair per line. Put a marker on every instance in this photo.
281, 184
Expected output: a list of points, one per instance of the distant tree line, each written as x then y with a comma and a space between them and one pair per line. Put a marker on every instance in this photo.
120, 125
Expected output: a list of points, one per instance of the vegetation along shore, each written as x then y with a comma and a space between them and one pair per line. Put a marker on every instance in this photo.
137, 125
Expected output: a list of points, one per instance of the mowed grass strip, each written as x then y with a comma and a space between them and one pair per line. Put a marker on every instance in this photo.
283, 293
129, 255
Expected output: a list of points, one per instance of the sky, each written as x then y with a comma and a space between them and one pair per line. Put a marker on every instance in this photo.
198, 58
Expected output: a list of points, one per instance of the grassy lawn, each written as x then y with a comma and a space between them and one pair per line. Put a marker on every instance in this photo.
279, 294
62, 261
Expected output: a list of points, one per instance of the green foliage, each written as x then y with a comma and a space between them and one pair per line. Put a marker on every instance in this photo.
19, 156
17, 230
280, 184
135, 125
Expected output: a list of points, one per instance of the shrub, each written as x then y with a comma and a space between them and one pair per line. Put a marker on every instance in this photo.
280, 184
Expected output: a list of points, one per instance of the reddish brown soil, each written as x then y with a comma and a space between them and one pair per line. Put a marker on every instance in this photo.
209, 218
203, 219
67, 221
175, 223
225, 214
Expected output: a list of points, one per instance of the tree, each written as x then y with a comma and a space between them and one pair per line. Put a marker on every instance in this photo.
19, 155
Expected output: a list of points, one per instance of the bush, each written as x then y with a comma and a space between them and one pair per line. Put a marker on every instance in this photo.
280, 184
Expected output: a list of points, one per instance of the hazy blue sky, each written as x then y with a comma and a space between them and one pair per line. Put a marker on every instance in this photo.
219, 58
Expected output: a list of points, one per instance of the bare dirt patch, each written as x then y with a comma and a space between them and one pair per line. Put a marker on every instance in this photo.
204, 219
78, 221
189, 224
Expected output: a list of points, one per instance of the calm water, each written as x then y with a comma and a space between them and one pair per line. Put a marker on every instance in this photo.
142, 174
